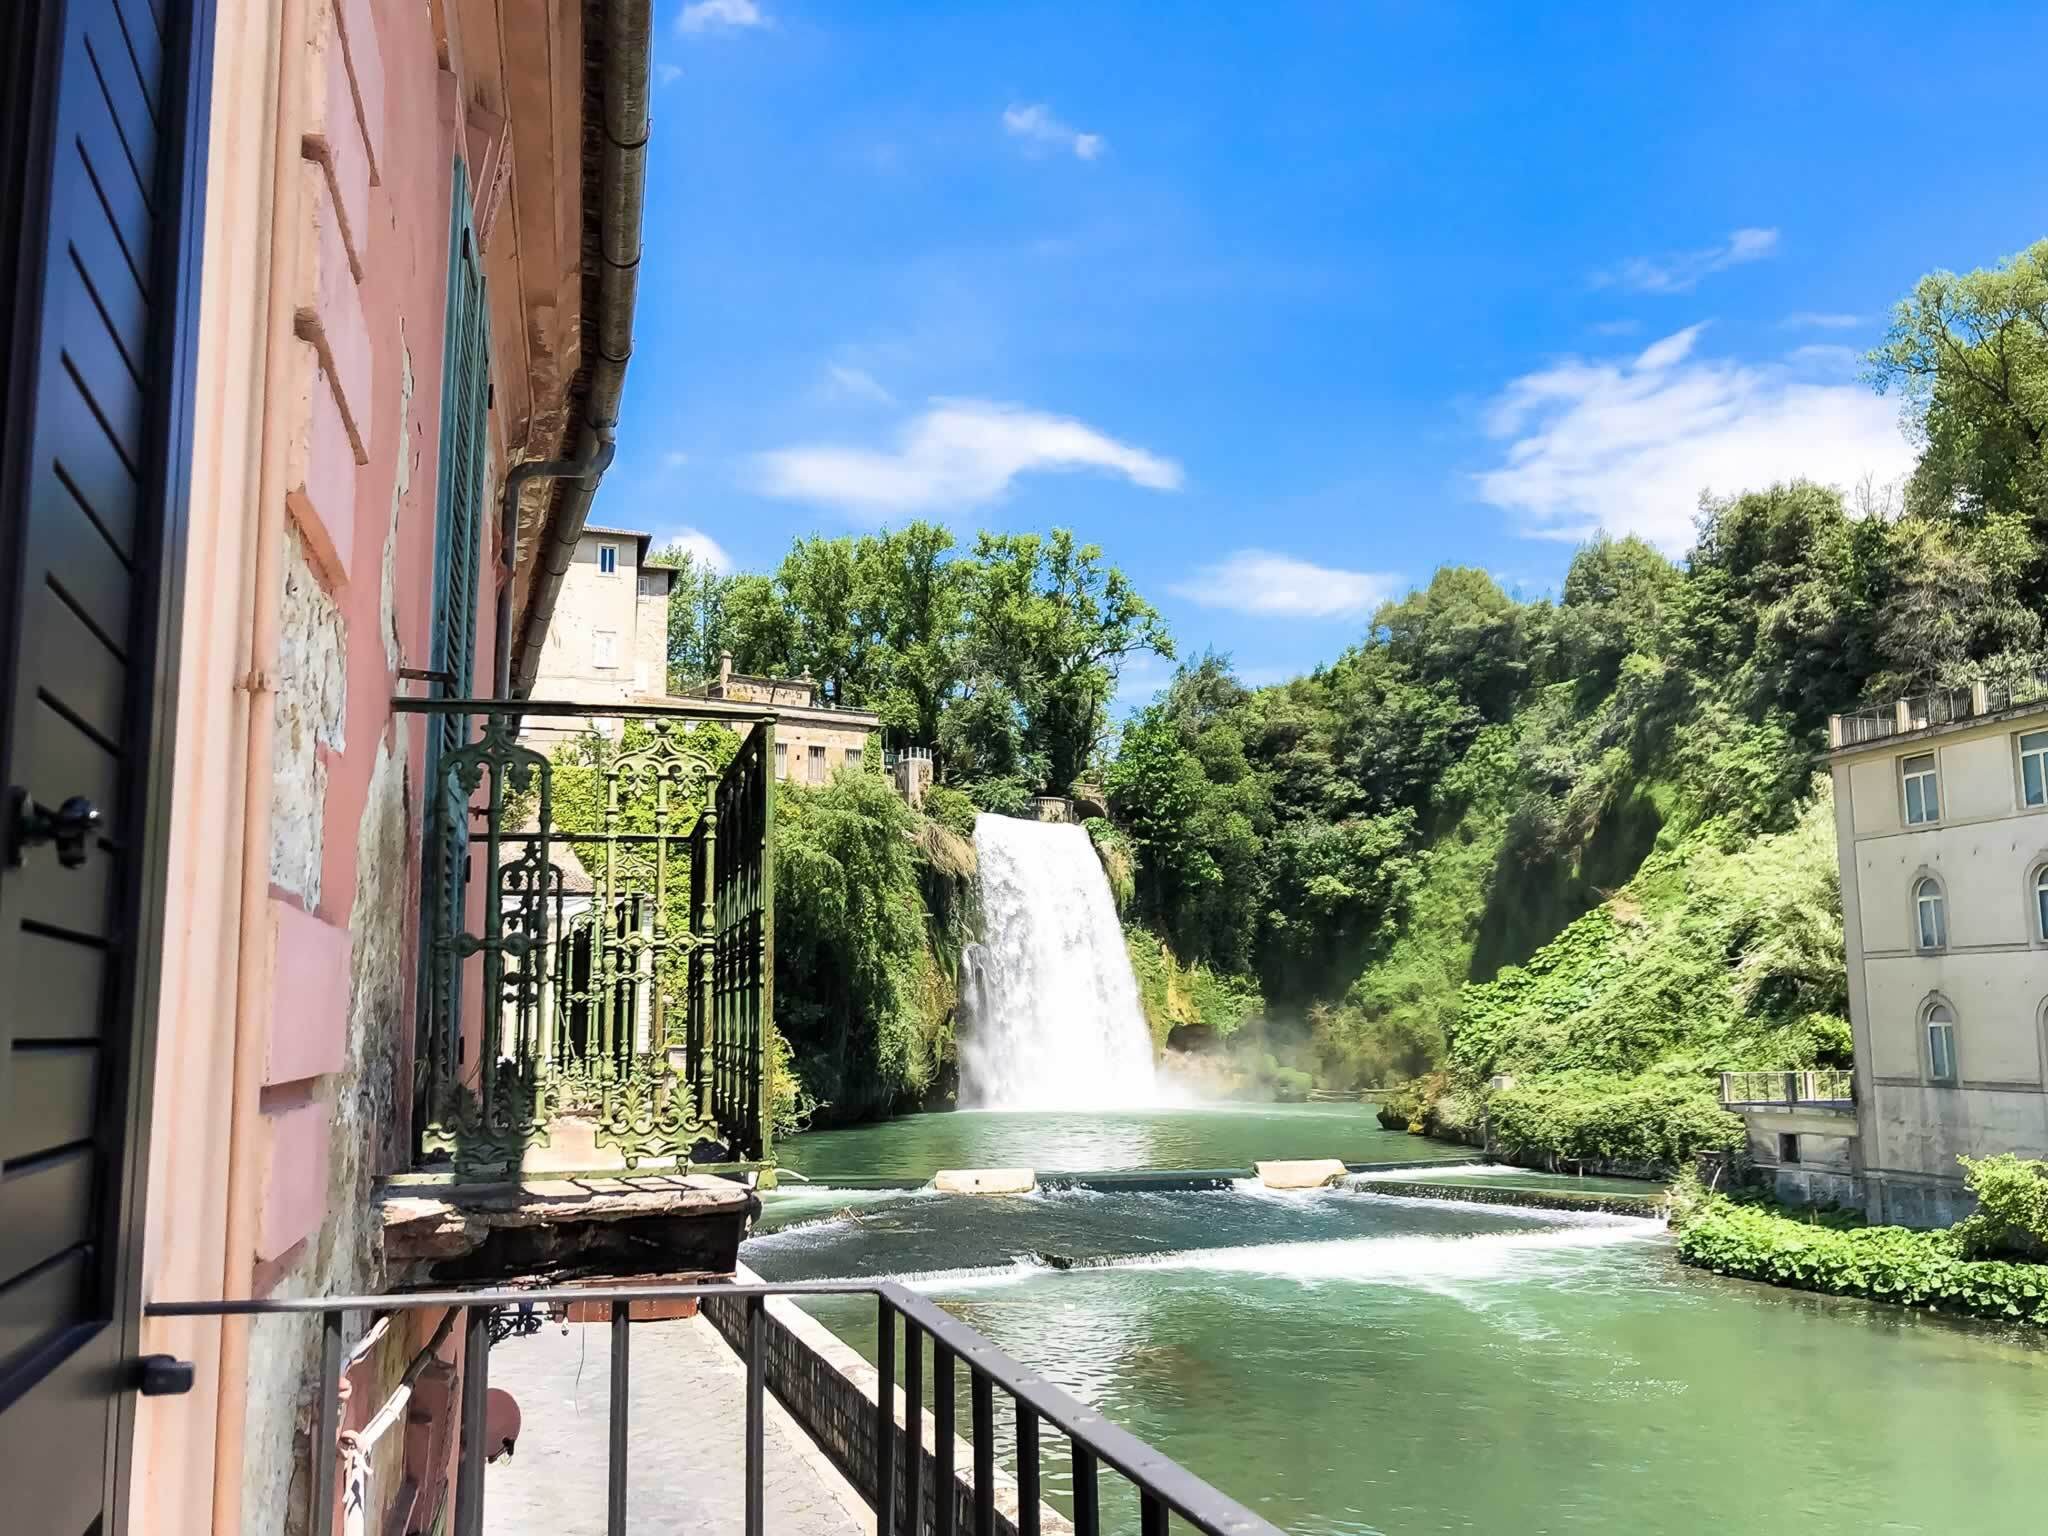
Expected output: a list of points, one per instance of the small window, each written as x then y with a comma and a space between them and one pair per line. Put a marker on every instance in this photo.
1923, 796
2041, 903
608, 559
1930, 909
604, 648
782, 759
1788, 1147
2034, 768
1941, 1043
817, 765
853, 758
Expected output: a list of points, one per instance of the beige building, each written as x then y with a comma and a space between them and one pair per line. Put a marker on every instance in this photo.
609, 639
812, 740
1941, 810
609, 645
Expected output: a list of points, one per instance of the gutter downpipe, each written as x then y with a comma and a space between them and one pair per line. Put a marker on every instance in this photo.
252, 952
628, 36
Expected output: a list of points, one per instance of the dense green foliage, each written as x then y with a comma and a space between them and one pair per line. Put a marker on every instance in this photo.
1002, 658
1556, 862
1841, 1257
2012, 1207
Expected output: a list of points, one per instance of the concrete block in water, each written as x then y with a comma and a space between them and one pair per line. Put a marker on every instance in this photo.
985, 1181
1301, 1173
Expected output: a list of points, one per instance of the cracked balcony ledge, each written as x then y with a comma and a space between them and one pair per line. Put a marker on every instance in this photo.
551, 1231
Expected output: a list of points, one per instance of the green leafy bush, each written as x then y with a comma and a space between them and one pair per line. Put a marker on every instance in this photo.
1118, 861
1583, 1116
951, 810
2012, 1207
1913, 1269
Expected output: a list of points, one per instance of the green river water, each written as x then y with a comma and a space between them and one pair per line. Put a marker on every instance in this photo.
1348, 1362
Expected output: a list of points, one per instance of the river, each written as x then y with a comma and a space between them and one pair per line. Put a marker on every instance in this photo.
1351, 1362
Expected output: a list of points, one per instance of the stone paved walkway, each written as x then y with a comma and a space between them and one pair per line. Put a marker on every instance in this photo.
688, 1406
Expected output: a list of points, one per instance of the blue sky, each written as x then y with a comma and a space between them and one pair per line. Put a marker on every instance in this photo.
1286, 305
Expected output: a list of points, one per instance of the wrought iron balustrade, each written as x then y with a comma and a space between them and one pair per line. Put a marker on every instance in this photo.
1821, 1088
598, 968
1165, 1490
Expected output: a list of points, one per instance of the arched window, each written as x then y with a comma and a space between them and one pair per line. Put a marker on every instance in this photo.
1930, 912
1941, 1042
2041, 903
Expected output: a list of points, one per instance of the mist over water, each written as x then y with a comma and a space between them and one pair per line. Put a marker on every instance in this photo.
1049, 1005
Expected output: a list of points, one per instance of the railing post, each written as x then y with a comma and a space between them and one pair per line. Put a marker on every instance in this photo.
327, 1435
476, 1386
757, 1328
913, 1425
1027, 1469
885, 1416
621, 1417
1151, 1515
984, 1450
945, 1495
1087, 1497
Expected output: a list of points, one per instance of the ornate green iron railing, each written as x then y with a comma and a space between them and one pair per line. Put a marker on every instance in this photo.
600, 966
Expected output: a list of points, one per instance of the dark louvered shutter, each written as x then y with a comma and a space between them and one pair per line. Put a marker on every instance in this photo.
458, 560
101, 144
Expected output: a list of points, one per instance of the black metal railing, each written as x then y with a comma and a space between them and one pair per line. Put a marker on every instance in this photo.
1164, 1488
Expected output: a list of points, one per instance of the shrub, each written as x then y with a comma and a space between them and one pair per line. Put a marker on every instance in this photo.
1114, 849
1913, 1269
2012, 1207
951, 810
1582, 1117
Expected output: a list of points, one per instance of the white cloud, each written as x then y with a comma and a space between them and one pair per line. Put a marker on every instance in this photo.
1681, 271
1038, 128
1616, 327
715, 15
1629, 446
667, 74
1261, 582
957, 454
674, 460
1808, 319
845, 382
700, 546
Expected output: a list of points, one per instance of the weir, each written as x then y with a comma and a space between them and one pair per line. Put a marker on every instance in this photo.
1050, 1011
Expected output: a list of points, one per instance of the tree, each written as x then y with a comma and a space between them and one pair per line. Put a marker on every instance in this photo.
1052, 624
696, 617
913, 599
1969, 357
1463, 630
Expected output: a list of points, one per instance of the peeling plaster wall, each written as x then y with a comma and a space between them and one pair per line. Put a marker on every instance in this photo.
311, 712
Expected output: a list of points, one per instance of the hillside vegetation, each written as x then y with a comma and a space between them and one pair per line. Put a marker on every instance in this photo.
1552, 864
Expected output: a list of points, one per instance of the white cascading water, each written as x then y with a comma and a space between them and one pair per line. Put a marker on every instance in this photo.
1050, 1011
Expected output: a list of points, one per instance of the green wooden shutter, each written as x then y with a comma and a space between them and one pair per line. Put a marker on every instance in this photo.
458, 560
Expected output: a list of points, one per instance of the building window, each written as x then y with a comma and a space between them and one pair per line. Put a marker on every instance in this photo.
1930, 909
607, 559
1941, 1042
1788, 1147
1923, 796
782, 759
817, 765
2034, 768
604, 647
2041, 903
854, 756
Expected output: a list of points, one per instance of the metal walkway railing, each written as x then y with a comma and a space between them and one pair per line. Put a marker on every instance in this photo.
1164, 1488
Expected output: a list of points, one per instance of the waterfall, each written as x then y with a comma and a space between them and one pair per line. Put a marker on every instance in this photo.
1050, 1012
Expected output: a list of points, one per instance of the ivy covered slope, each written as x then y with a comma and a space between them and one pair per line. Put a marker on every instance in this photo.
1553, 864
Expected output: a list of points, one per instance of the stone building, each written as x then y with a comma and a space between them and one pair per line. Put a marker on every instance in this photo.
1941, 814
608, 642
813, 740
